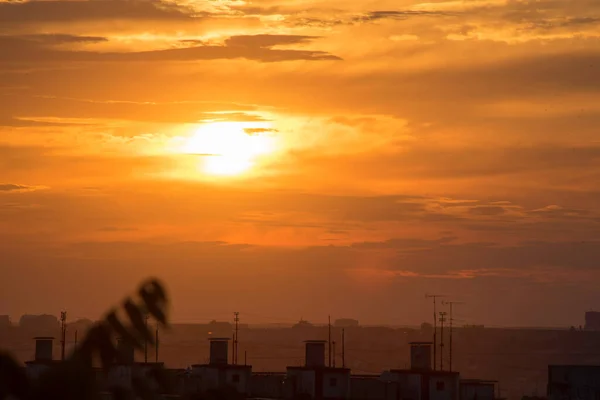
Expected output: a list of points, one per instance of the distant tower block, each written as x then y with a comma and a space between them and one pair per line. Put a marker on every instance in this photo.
315, 353
219, 351
43, 348
420, 356
592, 321
126, 351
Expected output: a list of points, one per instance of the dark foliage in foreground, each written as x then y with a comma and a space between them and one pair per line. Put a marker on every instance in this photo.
75, 378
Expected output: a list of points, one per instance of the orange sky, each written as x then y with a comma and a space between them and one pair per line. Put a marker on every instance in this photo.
298, 158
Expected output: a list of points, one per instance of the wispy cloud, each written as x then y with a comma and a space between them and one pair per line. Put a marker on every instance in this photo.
12, 187
259, 48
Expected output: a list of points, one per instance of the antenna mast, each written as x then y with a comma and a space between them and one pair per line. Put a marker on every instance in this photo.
329, 326
442, 320
334, 354
434, 297
63, 334
451, 303
236, 319
343, 348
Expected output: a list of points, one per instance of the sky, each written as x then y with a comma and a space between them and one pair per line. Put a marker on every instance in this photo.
300, 158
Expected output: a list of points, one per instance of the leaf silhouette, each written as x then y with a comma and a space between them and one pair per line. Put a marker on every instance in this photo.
155, 300
13, 380
75, 378
136, 315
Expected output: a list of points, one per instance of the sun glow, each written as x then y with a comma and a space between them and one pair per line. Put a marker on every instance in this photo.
227, 148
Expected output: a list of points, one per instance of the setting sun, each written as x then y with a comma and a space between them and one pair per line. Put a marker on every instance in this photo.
229, 148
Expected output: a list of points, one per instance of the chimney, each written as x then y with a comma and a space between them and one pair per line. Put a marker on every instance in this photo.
420, 356
43, 348
219, 348
315, 353
126, 351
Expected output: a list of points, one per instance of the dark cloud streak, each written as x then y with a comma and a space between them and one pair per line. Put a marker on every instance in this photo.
258, 48
34, 12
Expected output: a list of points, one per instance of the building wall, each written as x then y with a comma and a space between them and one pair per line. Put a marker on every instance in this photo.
205, 378
300, 382
119, 375
592, 321
409, 384
336, 384
373, 389
574, 382
477, 391
443, 387
5, 322
269, 386
34, 370
238, 378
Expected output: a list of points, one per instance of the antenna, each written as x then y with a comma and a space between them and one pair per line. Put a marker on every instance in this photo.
434, 297
329, 326
63, 334
334, 354
451, 303
236, 319
343, 348
233, 348
442, 320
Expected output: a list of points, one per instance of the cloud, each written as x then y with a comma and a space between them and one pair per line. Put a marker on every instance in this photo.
116, 229
487, 210
257, 131
403, 244
357, 281
12, 187
257, 48
434, 162
398, 14
325, 17
267, 41
16, 13
55, 38
32, 122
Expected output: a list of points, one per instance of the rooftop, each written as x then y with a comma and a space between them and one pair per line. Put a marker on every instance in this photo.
329, 369
222, 366
423, 372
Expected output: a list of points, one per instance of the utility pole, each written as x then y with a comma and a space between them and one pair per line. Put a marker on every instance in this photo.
451, 303
63, 334
343, 348
442, 320
434, 297
329, 342
236, 319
